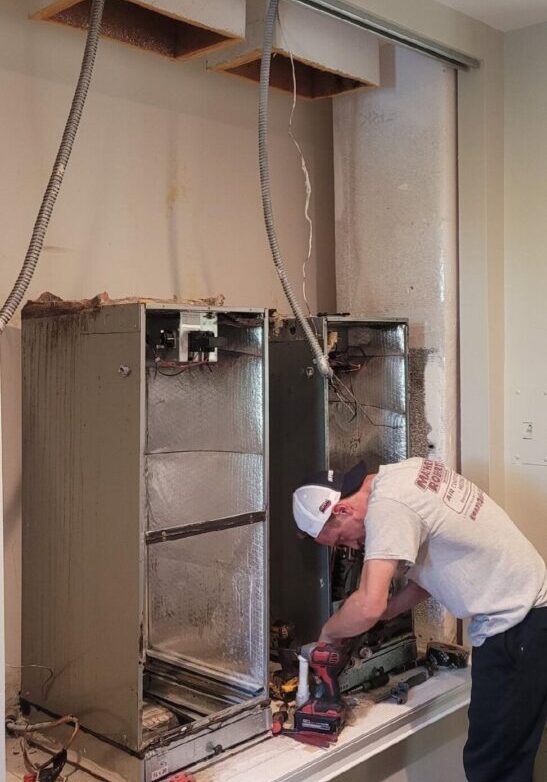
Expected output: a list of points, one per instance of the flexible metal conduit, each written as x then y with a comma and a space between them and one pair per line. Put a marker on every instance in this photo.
320, 358
56, 179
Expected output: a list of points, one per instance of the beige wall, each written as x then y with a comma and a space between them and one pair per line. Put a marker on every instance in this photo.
161, 195
526, 277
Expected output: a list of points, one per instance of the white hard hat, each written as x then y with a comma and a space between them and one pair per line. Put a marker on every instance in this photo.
313, 502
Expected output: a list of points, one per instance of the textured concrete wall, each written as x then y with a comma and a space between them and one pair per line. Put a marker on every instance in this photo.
396, 234
480, 178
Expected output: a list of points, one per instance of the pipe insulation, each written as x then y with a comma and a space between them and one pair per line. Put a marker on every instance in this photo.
57, 175
263, 159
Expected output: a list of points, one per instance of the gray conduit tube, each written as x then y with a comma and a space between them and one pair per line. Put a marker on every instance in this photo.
320, 358
56, 179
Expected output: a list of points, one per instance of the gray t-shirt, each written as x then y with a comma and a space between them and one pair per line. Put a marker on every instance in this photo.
461, 547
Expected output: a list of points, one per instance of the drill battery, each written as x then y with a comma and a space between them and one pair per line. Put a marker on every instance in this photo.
316, 717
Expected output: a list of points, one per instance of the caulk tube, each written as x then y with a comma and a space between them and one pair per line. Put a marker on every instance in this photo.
303, 691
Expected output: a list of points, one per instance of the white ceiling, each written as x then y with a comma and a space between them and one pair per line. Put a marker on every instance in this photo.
503, 14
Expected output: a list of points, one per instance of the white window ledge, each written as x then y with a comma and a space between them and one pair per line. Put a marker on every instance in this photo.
375, 728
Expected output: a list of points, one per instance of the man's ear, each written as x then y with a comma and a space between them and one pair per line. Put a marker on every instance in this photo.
341, 508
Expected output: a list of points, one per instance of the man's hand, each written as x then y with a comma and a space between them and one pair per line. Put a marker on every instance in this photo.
366, 605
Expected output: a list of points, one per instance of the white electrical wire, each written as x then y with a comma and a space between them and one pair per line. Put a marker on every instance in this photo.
320, 358
304, 166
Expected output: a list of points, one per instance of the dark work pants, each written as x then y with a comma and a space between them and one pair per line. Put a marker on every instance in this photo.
508, 703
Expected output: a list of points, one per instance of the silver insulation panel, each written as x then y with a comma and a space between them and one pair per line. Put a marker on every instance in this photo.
206, 603
219, 409
204, 461
176, 495
374, 429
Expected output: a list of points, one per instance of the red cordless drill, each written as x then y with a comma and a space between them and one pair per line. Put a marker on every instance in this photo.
324, 714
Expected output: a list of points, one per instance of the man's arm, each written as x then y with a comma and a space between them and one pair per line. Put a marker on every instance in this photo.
366, 605
404, 600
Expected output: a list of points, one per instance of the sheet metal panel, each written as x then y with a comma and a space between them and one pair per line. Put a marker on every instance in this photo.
300, 582
82, 562
205, 603
232, 732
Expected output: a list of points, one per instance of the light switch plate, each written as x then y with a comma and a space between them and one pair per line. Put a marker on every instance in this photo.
529, 439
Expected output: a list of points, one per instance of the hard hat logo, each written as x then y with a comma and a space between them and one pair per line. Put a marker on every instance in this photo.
324, 506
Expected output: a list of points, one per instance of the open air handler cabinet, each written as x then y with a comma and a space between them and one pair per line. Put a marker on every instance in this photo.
316, 428
145, 545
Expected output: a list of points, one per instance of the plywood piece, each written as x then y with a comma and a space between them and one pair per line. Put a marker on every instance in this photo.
311, 82
178, 29
330, 57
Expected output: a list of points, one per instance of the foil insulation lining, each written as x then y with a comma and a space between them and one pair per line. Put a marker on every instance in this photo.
219, 408
177, 495
205, 461
375, 429
205, 436
206, 603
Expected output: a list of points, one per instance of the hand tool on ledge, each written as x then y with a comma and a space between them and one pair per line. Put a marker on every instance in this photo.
279, 719
323, 713
447, 655
399, 691
378, 678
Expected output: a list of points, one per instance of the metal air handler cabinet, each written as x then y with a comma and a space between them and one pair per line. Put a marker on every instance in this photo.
318, 428
145, 548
